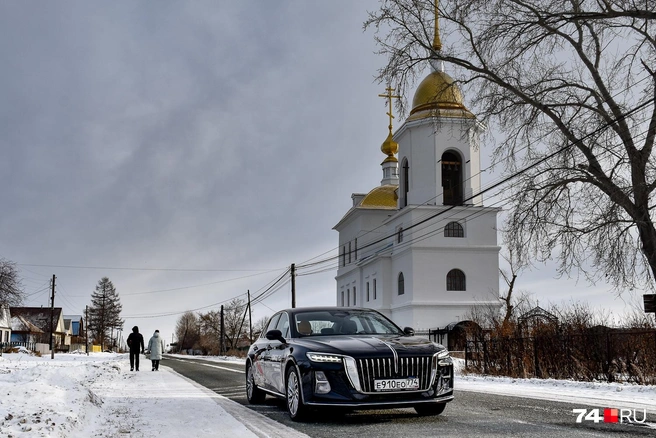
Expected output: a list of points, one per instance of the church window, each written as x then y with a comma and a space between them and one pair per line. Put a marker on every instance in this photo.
374, 288
344, 255
356, 249
349, 252
455, 280
367, 291
451, 178
348, 297
401, 284
354, 295
342, 298
454, 229
399, 235
405, 182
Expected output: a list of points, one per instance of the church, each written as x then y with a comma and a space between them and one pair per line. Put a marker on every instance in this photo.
421, 247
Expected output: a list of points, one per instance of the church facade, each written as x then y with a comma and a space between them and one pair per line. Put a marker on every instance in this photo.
421, 247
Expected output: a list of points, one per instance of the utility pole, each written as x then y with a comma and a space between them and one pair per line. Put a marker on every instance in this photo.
52, 319
222, 345
86, 329
250, 319
293, 272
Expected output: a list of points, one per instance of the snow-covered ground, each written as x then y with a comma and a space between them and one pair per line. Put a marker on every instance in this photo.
76, 395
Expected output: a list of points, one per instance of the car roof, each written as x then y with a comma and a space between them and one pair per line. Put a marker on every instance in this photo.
295, 310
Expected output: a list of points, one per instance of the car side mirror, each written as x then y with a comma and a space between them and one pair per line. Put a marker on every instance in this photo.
275, 335
409, 331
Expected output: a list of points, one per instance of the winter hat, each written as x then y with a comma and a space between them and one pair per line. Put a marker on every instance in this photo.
135, 329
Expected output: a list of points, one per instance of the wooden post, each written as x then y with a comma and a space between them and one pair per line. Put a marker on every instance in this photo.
52, 318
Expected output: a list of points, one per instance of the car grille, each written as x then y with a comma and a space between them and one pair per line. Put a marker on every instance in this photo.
384, 368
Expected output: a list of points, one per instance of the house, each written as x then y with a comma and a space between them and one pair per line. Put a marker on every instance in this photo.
74, 325
32, 324
5, 324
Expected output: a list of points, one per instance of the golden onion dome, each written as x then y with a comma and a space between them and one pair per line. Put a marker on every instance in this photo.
384, 197
389, 146
438, 94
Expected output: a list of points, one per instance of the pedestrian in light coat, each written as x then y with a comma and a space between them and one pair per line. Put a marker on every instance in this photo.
156, 346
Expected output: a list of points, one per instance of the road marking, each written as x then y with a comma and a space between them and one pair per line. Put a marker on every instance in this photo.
211, 366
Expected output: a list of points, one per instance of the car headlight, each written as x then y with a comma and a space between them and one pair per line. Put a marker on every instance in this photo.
325, 358
443, 354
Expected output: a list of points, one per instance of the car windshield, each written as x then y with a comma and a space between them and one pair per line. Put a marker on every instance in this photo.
343, 322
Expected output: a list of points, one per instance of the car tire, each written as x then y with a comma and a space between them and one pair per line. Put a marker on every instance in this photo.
254, 394
430, 409
294, 401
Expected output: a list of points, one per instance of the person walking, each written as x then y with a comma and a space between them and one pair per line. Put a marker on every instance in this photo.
156, 346
136, 343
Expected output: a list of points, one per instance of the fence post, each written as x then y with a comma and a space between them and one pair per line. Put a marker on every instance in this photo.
467, 350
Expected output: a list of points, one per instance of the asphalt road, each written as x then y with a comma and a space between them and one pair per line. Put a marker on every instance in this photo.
471, 414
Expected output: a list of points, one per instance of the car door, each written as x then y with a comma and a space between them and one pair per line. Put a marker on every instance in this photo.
261, 355
277, 355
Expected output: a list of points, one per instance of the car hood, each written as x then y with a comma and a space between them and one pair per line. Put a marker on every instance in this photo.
371, 346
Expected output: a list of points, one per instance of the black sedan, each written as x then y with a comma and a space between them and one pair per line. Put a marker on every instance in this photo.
346, 357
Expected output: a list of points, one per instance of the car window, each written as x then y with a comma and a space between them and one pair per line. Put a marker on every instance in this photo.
343, 322
271, 325
283, 325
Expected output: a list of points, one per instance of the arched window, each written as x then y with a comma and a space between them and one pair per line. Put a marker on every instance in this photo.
451, 178
454, 229
455, 280
405, 182
399, 235
401, 284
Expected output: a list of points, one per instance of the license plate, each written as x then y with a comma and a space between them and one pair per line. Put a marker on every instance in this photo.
396, 384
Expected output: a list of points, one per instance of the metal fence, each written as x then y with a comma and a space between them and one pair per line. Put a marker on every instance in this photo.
6, 345
593, 355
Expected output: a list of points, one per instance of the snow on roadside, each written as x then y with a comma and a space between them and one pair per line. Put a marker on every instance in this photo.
96, 395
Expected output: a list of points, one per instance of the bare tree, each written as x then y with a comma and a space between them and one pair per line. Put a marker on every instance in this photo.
187, 330
209, 325
571, 86
235, 321
11, 288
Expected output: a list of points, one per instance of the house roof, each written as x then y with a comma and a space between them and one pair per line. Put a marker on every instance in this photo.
20, 324
37, 316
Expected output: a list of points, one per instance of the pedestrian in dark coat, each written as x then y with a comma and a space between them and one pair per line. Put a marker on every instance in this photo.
156, 345
136, 344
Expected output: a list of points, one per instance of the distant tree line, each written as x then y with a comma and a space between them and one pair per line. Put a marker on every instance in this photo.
201, 331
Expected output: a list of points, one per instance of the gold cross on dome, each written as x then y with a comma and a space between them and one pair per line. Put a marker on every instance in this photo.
389, 96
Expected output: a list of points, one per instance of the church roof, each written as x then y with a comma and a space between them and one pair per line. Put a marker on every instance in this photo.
381, 197
438, 95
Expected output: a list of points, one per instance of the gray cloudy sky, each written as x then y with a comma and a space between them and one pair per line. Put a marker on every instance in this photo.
189, 151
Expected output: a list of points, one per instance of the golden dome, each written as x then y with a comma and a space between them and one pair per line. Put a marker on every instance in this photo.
438, 94
384, 197
389, 146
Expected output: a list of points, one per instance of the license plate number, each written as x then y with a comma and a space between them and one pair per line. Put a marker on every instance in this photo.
396, 384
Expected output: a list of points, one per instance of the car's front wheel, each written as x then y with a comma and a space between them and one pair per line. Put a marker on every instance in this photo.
254, 394
430, 409
295, 407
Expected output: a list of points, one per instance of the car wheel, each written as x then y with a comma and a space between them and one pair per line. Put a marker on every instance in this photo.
254, 394
295, 407
430, 409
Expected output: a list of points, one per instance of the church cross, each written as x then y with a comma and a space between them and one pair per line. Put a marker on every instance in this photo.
389, 96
